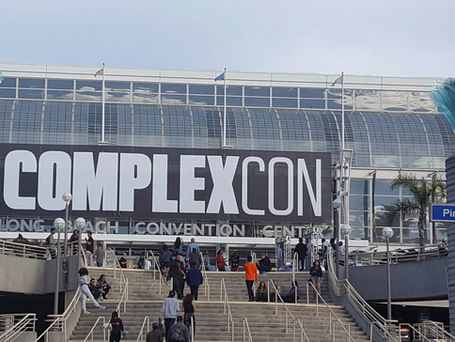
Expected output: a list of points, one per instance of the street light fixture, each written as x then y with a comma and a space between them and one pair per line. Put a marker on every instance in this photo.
59, 224
346, 229
387, 233
80, 224
67, 199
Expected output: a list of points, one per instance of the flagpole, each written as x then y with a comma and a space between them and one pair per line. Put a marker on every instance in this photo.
103, 110
224, 112
342, 111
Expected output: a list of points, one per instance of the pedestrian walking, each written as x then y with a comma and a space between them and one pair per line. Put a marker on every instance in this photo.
177, 273
251, 276
194, 280
301, 250
178, 332
189, 308
220, 263
169, 311
99, 255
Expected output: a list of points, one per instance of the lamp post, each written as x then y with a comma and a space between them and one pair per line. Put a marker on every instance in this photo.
336, 226
346, 230
59, 223
67, 199
387, 233
80, 224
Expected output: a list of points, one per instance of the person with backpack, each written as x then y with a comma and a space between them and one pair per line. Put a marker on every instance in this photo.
194, 280
251, 276
177, 273
301, 250
178, 332
194, 258
192, 247
156, 334
234, 260
169, 311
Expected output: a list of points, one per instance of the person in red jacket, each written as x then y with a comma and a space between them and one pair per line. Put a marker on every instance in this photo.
220, 263
251, 276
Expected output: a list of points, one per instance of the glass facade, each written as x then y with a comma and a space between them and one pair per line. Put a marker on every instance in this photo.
388, 129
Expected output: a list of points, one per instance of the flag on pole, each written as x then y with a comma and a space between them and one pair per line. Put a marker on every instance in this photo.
339, 80
1, 78
100, 72
221, 76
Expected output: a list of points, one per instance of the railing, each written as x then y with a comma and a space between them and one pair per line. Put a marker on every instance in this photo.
227, 308
145, 324
206, 279
60, 322
400, 255
117, 269
123, 299
16, 324
295, 266
157, 267
246, 331
434, 330
418, 336
24, 250
386, 328
333, 317
90, 333
193, 330
288, 314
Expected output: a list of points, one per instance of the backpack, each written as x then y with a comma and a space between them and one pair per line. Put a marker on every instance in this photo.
177, 333
48, 240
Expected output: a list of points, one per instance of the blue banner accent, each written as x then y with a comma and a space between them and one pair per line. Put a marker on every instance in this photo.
443, 212
220, 77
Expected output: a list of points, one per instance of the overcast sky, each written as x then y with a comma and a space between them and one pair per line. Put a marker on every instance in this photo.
374, 37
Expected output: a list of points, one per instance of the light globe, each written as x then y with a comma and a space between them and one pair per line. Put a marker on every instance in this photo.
346, 229
387, 232
67, 197
59, 223
80, 223
336, 203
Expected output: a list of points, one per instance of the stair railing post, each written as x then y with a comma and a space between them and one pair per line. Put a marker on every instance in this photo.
330, 323
307, 294
244, 336
293, 333
286, 321
333, 332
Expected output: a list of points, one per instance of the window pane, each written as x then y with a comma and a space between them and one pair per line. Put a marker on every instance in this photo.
312, 93
31, 94
88, 96
59, 84
287, 103
230, 90
257, 101
145, 87
31, 83
8, 82
382, 187
202, 89
151, 98
173, 88
118, 96
201, 100
257, 91
173, 99
284, 92
9, 93
88, 85
312, 104
113, 85
231, 101
60, 94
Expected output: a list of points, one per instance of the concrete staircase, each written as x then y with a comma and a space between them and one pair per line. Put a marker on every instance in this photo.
211, 321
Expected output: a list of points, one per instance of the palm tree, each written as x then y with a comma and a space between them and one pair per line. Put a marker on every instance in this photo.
424, 193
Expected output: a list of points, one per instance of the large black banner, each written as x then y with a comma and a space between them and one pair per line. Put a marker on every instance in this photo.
165, 183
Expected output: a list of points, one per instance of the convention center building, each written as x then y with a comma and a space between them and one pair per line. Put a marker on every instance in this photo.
144, 154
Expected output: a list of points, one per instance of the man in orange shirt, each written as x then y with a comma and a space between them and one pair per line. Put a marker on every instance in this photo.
251, 276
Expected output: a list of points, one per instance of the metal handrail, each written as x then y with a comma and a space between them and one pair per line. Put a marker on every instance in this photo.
20, 323
118, 266
59, 322
193, 330
417, 334
90, 333
400, 255
434, 330
331, 313
145, 323
157, 266
123, 299
303, 335
206, 279
227, 308
358, 303
246, 329
295, 266
23, 250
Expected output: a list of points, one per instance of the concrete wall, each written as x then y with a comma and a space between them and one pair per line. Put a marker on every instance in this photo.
25, 275
410, 280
